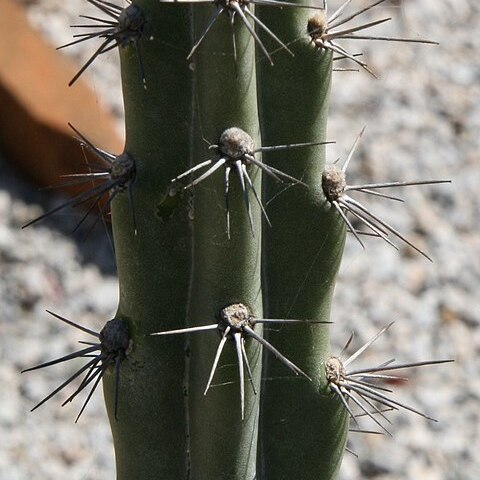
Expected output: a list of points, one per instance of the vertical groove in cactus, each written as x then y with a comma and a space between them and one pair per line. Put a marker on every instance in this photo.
302, 253
154, 265
222, 445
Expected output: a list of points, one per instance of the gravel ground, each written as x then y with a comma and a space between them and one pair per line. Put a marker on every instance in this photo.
423, 119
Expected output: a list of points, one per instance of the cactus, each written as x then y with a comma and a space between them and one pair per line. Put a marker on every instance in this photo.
227, 222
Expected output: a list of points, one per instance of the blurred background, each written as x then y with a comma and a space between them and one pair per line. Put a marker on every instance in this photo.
423, 122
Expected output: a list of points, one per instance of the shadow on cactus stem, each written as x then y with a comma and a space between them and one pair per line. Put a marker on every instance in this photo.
116, 174
235, 322
237, 151
111, 348
361, 385
124, 26
335, 188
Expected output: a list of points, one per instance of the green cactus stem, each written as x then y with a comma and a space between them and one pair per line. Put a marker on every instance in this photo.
150, 435
225, 271
303, 428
